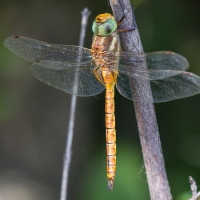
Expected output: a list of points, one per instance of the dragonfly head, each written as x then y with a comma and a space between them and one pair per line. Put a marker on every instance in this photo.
104, 25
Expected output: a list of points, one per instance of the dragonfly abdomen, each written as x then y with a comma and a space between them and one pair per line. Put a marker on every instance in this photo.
110, 134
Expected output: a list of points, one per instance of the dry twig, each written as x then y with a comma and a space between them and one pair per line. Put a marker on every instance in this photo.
67, 159
144, 109
193, 186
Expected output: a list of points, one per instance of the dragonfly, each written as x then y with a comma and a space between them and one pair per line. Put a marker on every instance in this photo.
87, 72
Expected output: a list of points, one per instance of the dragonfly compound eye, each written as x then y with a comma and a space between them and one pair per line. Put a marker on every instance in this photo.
107, 27
95, 28
104, 28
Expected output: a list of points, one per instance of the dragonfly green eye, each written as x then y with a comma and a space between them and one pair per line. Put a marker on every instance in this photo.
105, 28
95, 28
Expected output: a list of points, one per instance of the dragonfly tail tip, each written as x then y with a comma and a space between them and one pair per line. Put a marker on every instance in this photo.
110, 184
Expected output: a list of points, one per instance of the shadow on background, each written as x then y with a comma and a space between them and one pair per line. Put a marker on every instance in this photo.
34, 116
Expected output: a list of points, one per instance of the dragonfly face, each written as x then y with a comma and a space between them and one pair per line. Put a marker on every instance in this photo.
84, 72
104, 25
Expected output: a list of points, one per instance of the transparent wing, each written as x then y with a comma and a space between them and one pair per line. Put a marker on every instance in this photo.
70, 69
180, 86
166, 60
72, 78
183, 85
35, 50
166, 73
150, 74
160, 65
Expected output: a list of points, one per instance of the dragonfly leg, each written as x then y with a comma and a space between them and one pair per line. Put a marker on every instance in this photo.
98, 75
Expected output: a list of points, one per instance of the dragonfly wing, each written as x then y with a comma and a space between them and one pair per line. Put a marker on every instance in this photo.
35, 50
149, 74
124, 87
176, 87
72, 78
162, 60
160, 65
166, 60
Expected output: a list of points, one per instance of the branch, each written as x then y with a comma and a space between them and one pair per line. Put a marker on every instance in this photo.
193, 186
68, 151
144, 109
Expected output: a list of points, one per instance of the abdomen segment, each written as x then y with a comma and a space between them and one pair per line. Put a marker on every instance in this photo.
110, 135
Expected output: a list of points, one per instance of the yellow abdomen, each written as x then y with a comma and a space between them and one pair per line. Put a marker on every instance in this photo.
110, 134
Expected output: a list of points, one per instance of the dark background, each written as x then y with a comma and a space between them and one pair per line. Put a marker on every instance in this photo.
34, 117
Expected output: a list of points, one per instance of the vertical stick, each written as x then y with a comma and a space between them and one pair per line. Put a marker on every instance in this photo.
68, 152
144, 109
193, 186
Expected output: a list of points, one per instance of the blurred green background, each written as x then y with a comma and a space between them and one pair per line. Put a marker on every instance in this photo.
34, 117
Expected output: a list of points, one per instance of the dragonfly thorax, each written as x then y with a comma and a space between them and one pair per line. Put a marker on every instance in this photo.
105, 51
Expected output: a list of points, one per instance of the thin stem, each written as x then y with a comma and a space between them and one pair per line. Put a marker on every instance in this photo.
193, 186
144, 108
68, 151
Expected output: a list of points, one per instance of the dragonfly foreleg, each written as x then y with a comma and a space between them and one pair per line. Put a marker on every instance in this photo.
98, 75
